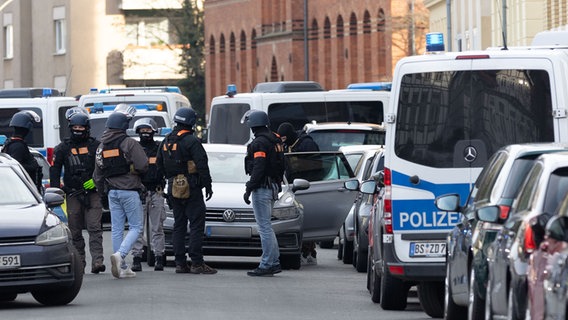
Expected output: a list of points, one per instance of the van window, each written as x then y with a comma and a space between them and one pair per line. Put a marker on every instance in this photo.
227, 126
34, 138
318, 166
98, 125
300, 113
439, 110
332, 140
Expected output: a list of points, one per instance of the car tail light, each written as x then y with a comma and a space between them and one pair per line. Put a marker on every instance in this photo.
529, 243
396, 270
387, 202
49, 156
504, 212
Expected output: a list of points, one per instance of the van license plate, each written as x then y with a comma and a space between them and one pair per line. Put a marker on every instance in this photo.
10, 261
427, 249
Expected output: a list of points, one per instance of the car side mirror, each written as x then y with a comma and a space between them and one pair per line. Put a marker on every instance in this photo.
53, 200
55, 190
488, 214
351, 184
368, 187
300, 184
448, 202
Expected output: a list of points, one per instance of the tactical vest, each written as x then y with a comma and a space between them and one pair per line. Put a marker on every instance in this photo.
111, 159
151, 178
174, 162
77, 164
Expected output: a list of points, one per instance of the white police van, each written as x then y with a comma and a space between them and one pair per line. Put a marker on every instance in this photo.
448, 113
297, 102
48, 104
159, 103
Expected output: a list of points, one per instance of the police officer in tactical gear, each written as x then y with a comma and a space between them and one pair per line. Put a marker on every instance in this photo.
302, 142
75, 156
154, 210
184, 162
261, 186
119, 165
22, 123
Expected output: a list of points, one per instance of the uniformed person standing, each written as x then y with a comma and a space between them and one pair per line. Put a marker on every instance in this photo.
185, 165
154, 210
261, 186
23, 122
75, 156
120, 162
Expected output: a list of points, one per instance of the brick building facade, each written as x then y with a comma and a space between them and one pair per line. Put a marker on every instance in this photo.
251, 41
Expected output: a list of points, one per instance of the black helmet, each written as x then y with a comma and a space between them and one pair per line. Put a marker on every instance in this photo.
185, 116
25, 119
71, 111
255, 118
117, 120
145, 123
126, 109
556, 228
79, 119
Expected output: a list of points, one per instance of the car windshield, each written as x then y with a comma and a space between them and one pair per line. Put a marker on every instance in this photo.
331, 140
227, 167
98, 125
318, 166
13, 189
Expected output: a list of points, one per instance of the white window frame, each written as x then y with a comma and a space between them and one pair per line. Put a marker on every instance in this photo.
60, 30
8, 34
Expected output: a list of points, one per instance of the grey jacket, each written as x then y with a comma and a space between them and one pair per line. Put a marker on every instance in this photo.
134, 154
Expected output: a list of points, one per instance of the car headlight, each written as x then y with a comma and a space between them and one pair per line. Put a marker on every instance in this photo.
284, 208
55, 235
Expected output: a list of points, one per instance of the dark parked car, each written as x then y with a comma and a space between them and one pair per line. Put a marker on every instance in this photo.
36, 250
466, 264
508, 256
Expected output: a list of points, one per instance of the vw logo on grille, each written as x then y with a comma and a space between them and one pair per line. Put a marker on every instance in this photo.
229, 215
470, 154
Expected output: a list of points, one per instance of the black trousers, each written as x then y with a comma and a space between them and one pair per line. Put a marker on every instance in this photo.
190, 210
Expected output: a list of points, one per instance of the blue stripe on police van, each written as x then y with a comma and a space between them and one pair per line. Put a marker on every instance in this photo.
421, 214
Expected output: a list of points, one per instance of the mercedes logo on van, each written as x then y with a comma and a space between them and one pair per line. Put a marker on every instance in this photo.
229, 215
470, 154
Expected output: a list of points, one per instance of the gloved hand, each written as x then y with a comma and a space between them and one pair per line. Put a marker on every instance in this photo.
104, 202
246, 196
89, 184
208, 193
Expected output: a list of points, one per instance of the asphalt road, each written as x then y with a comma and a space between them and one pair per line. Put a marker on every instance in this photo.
329, 290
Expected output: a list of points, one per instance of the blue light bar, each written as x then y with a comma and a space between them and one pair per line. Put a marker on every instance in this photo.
374, 86
47, 92
231, 90
3, 139
435, 42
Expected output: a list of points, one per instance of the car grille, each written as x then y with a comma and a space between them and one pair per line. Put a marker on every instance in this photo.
216, 215
232, 242
25, 274
17, 241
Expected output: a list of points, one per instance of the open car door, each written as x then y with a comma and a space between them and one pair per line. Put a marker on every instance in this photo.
326, 203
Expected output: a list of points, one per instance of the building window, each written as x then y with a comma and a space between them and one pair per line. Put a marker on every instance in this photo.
148, 31
60, 29
8, 32
8, 42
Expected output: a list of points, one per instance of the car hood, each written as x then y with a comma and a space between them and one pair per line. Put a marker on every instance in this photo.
21, 221
227, 195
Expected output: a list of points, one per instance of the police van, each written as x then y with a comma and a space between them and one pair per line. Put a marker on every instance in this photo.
159, 103
48, 104
448, 113
297, 102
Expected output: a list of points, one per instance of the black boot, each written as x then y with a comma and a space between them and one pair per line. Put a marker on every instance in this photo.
159, 265
136, 264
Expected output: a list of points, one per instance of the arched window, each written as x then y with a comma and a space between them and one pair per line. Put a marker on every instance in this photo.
353, 49
367, 48
314, 50
212, 65
381, 40
232, 58
222, 61
327, 52
341, 53
273, 70
244, 69
254, 60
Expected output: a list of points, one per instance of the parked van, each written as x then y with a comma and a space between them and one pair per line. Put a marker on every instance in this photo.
48, 104
449, 112
160, 103
296, 102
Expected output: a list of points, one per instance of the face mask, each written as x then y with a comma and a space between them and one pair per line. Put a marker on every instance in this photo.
78, 134
145, 136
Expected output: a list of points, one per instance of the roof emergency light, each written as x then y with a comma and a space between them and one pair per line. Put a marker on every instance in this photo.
435, 42
231, 90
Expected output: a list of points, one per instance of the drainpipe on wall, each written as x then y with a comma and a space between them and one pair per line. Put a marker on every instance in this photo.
449, 24
306, 57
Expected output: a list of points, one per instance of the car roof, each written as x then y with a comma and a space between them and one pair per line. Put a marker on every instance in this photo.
370, 148
310, 127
